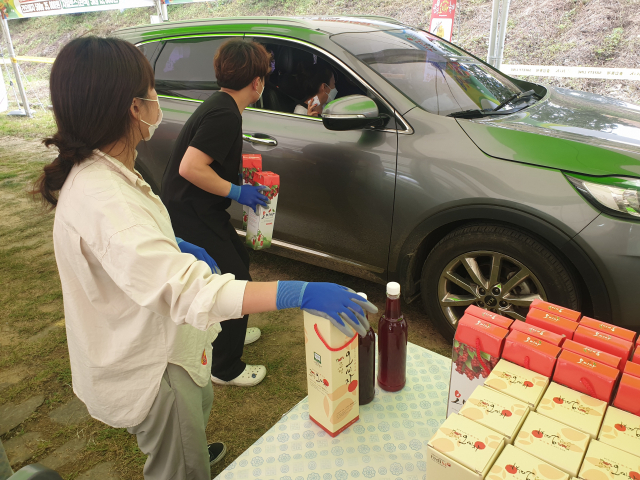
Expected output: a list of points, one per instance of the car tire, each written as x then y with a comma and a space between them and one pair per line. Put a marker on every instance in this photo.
519, 254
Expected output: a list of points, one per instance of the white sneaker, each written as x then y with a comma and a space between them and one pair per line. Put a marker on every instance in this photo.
252, 335
250, 376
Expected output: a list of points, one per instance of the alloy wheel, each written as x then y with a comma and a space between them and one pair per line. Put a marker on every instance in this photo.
490, 280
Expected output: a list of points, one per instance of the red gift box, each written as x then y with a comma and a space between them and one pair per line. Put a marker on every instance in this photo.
592, 353
605, 342
530, 352
636, 356
556, 310
540, 333
628, 394
477, 347
632, 369
494, 318
586, 375
554, 323
251, 163
619, 332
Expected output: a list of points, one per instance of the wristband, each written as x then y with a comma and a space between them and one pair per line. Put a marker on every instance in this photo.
290, 294
234, 193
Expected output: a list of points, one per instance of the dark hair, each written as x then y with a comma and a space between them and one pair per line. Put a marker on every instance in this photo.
311, 77
237, 62
93, 83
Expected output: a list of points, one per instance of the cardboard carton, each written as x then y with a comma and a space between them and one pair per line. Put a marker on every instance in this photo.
573, 408
518, 382
605, 342
586, 375
251, 163
517, 464
332, 375
619, 332
499, 412
552, 322
592, 353
554, 442
462, 449
632, 369
628, 396
477, 347
541, 333
556, 310
621, 429
494, 318
604, 462
530, 352
260, 224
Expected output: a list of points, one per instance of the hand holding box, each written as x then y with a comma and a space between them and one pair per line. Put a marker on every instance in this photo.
260, 224
251, 163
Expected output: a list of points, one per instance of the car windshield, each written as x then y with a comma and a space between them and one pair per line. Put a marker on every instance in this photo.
434, 74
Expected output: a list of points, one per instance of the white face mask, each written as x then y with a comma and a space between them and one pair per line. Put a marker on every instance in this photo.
152, 126
332, 95
260, 96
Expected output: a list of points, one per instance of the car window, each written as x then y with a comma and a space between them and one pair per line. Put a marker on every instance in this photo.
185, 67
150, 50
436, 75
283, 92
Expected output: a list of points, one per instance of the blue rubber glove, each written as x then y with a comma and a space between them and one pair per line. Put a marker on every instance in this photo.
249, 195
200, 253
340, 305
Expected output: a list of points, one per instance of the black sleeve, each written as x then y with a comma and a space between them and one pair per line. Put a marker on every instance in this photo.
216, 134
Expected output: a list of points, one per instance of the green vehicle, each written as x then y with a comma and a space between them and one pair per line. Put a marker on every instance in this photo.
430, 167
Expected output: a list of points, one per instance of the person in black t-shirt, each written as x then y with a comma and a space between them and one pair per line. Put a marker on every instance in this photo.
202, 178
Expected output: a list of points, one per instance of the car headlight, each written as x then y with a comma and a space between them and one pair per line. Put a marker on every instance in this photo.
616, 196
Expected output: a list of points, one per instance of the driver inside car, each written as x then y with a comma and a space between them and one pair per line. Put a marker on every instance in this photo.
317, 85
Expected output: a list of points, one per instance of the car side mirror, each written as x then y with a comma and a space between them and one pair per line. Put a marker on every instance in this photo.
352, 113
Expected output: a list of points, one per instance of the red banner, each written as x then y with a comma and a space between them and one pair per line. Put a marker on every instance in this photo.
442, 14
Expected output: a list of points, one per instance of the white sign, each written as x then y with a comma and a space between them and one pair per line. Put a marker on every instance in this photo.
572, 72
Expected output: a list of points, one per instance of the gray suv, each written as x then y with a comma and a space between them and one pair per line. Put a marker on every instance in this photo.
430, 168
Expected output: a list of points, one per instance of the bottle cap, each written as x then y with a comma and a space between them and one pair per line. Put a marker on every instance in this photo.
393, 288
363, 295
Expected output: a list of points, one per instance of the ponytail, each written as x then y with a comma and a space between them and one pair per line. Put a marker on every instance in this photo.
92, 83
70, 152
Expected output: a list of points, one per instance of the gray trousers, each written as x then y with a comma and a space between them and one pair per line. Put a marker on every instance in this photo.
173, 434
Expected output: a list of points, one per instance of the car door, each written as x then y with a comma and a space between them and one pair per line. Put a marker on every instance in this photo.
337, 187
184, 77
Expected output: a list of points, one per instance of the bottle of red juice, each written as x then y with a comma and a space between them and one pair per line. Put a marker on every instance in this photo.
367, 363
392, 343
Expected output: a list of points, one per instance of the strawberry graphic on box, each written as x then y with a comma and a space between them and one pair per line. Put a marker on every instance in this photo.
477, 347
260, 224
251, 164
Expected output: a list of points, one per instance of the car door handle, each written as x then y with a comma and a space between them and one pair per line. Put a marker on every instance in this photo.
262, 140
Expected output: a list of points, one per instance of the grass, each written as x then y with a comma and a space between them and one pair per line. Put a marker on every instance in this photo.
610, 44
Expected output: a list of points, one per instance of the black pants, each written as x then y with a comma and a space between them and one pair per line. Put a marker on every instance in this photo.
218, 237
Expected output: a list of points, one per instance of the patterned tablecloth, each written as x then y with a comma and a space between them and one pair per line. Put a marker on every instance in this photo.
388, 442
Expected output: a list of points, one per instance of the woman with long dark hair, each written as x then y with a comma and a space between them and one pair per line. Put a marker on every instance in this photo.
142, 307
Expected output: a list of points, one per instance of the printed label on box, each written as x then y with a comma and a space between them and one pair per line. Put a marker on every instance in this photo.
260, 224
555, 443
604, 462
515, 464
499, 412
518, 382
573, 408
468, 443
332, 375
621, 429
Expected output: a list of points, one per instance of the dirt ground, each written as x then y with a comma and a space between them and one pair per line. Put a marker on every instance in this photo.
34, 358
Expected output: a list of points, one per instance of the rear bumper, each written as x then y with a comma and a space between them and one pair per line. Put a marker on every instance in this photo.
614, 247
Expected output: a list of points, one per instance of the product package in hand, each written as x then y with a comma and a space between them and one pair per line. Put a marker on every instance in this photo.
477, 347
251, 163
332, 375
260, 223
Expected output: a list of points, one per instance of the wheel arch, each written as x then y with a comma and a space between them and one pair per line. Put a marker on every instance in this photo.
426, 235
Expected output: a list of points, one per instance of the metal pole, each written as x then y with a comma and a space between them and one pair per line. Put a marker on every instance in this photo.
165, 14
4, 100
504, 14
14, 63
491, 54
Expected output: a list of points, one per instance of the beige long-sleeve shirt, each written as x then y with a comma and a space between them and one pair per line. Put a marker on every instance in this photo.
133, 302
